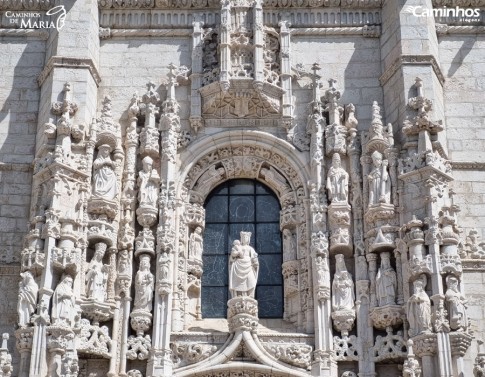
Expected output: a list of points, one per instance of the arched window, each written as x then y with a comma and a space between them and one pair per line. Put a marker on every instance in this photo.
234, 206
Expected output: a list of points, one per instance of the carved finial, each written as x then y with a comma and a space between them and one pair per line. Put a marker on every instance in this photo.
331, 84
150, 86
134, 108
5, 358
411, 367
315, 68
106, 112
151, 96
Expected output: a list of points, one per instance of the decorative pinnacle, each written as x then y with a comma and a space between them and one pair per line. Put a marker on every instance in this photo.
315, 68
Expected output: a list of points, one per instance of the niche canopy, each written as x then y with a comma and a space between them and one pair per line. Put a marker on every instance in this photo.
241, 78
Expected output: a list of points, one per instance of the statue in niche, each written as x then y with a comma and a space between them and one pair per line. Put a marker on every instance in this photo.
196, 244
419, 309
97, 275
455, 304
63, 302
323, 271
27, 302
379, 181
244, 267
337, 181
289, 245
144, 283
343, 296
163, 262
274, 178
386, 281
124, 265
105, 183
149, 183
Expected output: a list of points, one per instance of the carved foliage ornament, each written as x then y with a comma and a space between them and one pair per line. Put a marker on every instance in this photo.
227, 154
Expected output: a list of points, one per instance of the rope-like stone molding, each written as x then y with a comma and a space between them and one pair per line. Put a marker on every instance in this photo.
76, 63
443, 29
106, 33
38, 33
468, 165
372, 31
412, 60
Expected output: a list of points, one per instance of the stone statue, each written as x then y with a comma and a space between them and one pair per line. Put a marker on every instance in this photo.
337, 181
63, 302
195, 244
163, 262
105, 183
455, 304
323, 272
386, 281
96, 275
419, 309
27, 302
144, 283
343, 295
379, 181
289, 245
244, 267
149, 183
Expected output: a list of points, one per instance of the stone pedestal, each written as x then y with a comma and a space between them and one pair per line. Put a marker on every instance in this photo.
242, 314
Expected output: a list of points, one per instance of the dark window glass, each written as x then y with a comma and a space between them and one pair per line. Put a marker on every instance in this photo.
242, 205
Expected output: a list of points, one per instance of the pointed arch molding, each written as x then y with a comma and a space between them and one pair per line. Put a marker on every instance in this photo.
220, 363
244, 154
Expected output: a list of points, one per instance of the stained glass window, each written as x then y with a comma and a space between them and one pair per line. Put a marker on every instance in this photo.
234, 206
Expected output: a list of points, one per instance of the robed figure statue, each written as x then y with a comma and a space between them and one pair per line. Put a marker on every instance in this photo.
243, 267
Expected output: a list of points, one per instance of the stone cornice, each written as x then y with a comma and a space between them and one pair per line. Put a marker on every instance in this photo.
76, 63
214, 4
38, 33
412, 60
468, 165
473, 264
5, 166
304, 18
443, 29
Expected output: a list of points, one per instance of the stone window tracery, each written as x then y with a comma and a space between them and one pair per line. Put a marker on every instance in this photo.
242, 205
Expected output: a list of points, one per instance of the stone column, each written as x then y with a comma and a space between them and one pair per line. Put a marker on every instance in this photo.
196, 120
225, 46
258, 43
285, 75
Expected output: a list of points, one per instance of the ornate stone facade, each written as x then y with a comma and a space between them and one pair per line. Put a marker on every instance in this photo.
140, 112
